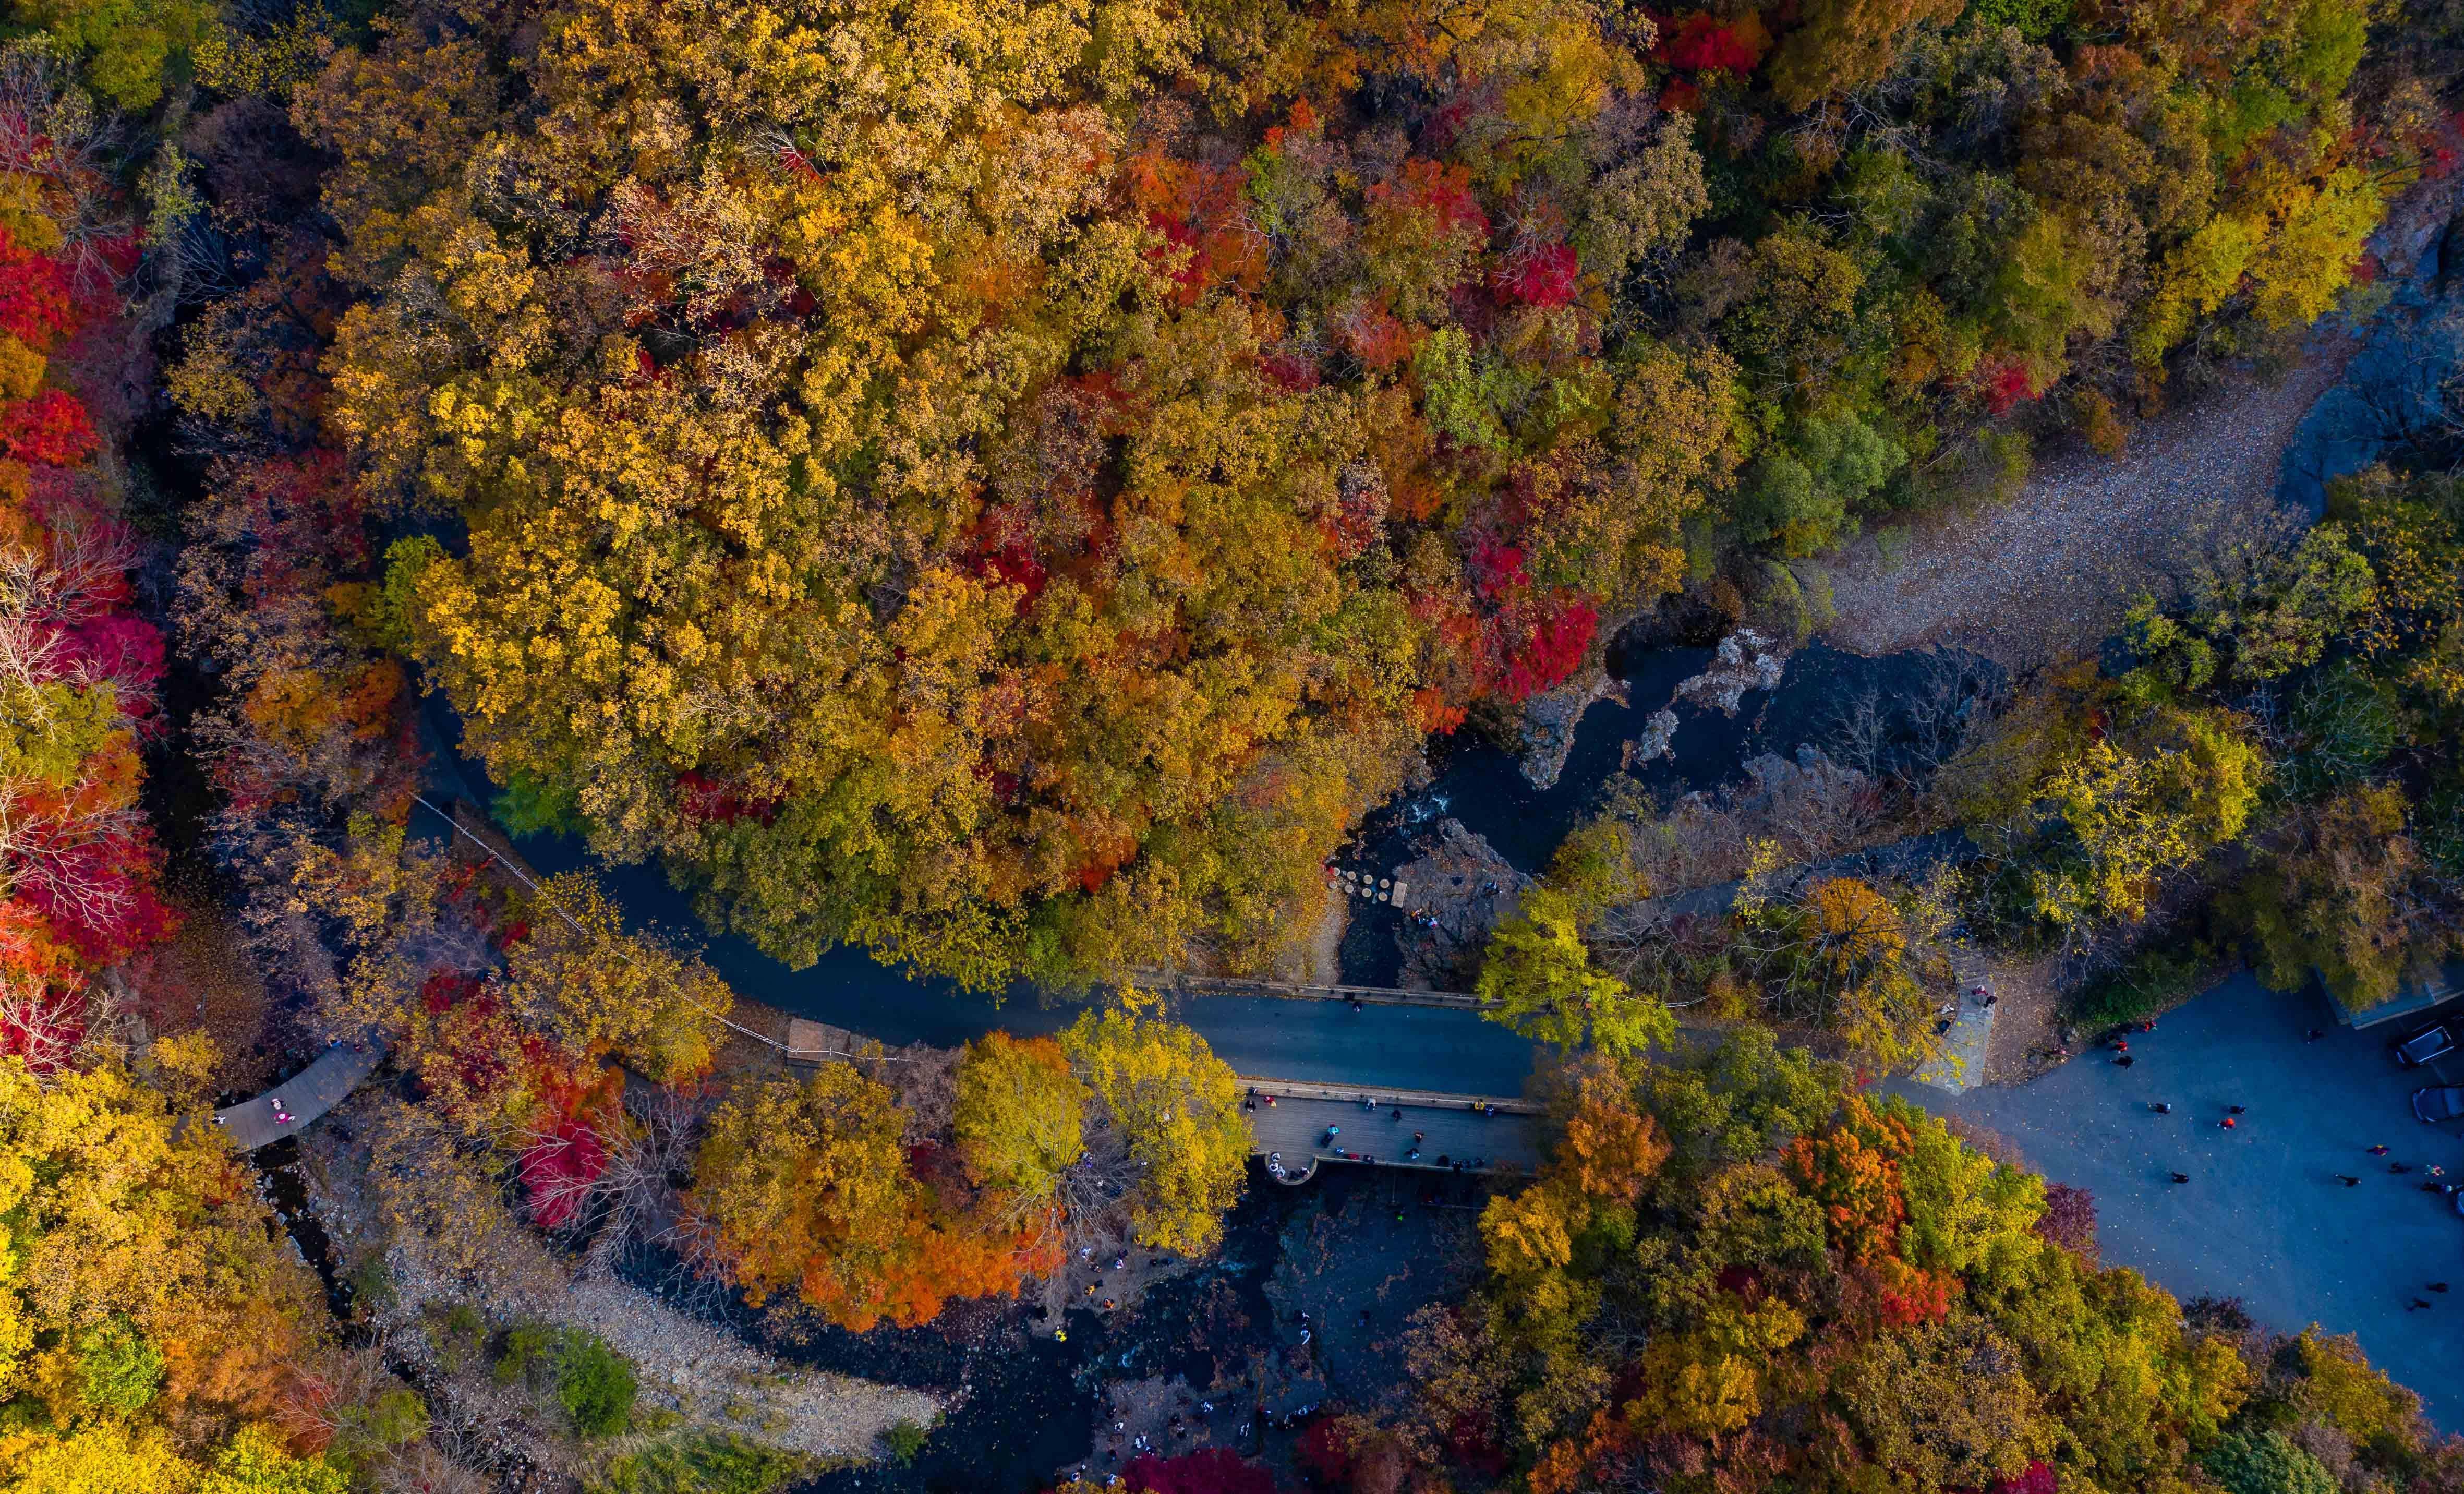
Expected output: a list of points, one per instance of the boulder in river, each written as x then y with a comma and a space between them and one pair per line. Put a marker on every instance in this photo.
1550, 719
1465, 887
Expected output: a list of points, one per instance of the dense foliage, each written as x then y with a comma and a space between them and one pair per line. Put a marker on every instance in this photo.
1009, 488
1734, 1275
872, 1211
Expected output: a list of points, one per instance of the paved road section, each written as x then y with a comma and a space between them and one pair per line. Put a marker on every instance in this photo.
1387, 1048
305, 1095
2264, 1217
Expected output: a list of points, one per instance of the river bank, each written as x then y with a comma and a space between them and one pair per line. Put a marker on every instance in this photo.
2048, 575
1357, 1251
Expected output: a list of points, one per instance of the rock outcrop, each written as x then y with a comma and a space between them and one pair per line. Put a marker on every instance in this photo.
1460, 888
1551, 718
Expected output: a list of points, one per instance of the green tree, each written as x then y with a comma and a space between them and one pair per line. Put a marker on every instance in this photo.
118, 1370
254, 1461
1537, 978
2267, 1462
126, 43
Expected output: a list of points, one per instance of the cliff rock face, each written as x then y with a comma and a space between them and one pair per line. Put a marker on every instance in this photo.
1461, 882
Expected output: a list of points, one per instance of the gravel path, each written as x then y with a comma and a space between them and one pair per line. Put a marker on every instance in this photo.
2049, 575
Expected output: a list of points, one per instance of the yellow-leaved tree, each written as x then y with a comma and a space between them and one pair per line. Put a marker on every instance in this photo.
1178, 1108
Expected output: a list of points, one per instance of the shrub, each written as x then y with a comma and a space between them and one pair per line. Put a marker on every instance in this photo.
372, 1285
699, 1462
2149, 983
905, 1441
592, 1382
2267, 1465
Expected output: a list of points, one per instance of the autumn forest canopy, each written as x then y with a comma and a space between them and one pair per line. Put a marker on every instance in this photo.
1009, 485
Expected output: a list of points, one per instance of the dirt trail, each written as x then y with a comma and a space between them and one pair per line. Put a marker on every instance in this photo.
2049, 574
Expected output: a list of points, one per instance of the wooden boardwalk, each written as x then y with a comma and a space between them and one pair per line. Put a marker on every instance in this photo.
305, 1095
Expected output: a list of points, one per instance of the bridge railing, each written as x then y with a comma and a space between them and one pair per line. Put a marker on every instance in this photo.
1367, 995
1353, 1094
